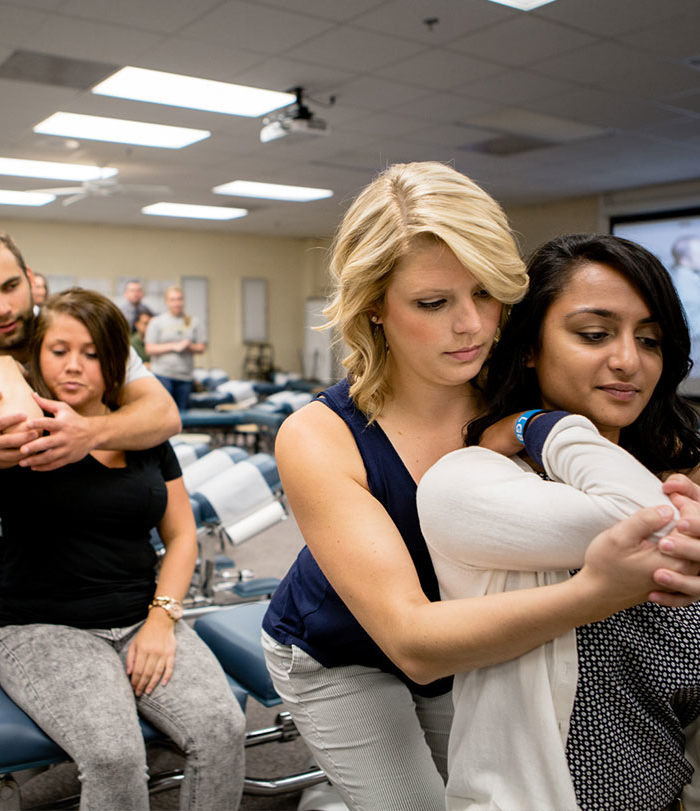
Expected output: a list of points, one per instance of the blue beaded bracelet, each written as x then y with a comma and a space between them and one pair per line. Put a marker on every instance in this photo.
521, 424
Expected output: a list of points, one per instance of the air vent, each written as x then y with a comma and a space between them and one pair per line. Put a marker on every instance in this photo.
59, 71
504, 145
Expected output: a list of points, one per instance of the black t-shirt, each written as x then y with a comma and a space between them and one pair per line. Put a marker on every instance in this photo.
75, 541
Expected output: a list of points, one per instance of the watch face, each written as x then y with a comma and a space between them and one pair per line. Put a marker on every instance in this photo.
175, 610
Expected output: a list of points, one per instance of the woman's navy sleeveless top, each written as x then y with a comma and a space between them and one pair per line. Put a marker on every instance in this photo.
305, 609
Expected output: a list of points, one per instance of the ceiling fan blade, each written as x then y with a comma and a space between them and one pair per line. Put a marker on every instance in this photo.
137, 188
68, 201
61, 191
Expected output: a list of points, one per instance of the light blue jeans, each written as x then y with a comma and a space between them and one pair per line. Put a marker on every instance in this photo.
382, 747
73, 683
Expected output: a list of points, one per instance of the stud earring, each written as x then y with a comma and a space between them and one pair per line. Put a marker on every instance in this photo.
374, 319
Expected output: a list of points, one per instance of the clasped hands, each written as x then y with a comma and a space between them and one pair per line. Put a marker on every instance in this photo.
45, 443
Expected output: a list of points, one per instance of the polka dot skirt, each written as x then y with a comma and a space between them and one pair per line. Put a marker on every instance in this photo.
638, 686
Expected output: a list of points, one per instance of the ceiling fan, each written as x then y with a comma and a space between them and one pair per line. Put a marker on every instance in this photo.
105, 187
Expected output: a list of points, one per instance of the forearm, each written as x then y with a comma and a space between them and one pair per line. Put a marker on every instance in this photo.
198, 348
135, 426
439, 639
177, 567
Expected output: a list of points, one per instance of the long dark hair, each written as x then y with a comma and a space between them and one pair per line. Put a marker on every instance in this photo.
108, 330
664, 436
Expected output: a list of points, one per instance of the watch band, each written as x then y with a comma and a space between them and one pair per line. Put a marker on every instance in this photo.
171, 606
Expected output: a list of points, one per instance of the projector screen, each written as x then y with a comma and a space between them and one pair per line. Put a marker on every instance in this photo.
674, 237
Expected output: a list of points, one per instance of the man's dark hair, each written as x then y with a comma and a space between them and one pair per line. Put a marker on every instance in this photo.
9, 243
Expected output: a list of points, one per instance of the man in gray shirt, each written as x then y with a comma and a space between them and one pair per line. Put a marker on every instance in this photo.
172, 340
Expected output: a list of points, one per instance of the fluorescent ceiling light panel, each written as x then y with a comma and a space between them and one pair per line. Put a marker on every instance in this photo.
54, 171
159, 87
195, 212
271, 191
523, 5
119, 130
24, 198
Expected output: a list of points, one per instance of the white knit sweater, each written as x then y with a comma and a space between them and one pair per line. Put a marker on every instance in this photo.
493, 525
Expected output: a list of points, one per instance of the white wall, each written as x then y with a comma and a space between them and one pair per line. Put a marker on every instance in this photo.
294, 269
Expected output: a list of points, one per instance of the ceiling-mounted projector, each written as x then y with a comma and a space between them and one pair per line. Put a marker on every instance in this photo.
294, 122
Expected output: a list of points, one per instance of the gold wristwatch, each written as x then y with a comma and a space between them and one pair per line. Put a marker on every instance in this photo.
171, 606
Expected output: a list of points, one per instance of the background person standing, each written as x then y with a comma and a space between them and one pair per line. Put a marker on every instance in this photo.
172, 340
138, 336
132, 304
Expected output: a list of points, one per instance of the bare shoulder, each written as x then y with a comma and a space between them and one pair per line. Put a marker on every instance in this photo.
316, 440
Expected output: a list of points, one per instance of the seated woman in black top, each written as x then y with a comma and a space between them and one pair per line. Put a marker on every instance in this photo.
88, 636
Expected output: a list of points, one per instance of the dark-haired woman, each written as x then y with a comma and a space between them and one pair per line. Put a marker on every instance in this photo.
595, 718
88, 637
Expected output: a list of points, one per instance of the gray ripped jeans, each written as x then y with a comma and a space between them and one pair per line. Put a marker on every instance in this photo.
73, 683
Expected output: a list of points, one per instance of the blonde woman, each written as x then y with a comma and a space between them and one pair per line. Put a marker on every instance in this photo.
173, 338
357, 642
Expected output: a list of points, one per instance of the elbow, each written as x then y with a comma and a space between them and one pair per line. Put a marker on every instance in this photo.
176, 424
420, 670
420, 665
172, 423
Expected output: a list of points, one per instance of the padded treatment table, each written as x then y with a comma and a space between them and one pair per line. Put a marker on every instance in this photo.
23, 745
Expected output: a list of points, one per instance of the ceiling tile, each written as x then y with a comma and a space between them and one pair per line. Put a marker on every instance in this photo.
675, 38
611, 17
440, 70
352, 49
165, 16
406, 18
522, 40
29, 104
372, 93
280, 73
17, 25
593, 63
592, 106
91, 40
46, 5
325, 10
448, 108
403, 92
254, 27
682, 128
450, 135
688, 101
384, 124
657, 79
177, 55
515, 87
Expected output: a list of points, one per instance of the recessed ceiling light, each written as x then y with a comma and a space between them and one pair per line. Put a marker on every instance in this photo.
159, 87
24, 198
119, 130
196, 212
523, 5
53, 170
271, 191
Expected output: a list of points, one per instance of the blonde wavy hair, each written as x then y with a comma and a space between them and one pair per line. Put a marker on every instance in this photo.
406, 204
